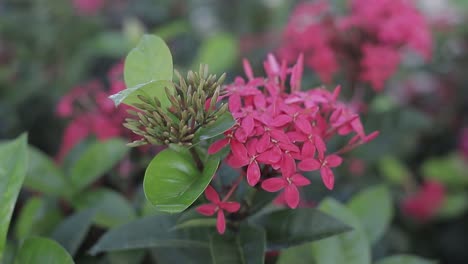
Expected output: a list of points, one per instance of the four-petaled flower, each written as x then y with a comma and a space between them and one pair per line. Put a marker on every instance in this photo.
324, 164
289, 184
219, 206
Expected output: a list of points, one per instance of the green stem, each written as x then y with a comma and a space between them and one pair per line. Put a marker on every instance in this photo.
196, 158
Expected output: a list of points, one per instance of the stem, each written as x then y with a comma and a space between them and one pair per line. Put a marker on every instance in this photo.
233, 187
196, 158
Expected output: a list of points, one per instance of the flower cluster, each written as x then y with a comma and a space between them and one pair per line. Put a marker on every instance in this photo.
425, 203
282, 132
91, 112
88, 7
368, 41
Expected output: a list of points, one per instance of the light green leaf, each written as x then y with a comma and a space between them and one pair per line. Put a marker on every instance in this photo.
149, 232
348, 248
248, 246
219, 52
112, 209
38, 250
394, 170
173, 182
450, 170
72, 231
301, 254
43, 175
13, 168
96, 160
223, 123
37, 217
405, 259
286, 228
373, 207
150, 61
150, 89
454, 205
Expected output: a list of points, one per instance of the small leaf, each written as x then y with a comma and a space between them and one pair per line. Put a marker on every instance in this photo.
172, 181
405, 259
150, 60
72, 231
13, 168
394, 170
150, 89
248, 246
98, 159
112, 209
43, 175
373, 207
286, 228
351, 247
37, 250
149, 232
219, 52
223, 123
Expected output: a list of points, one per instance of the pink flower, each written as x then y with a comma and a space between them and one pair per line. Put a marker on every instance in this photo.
463, 142
378, 64
88, 7
324, 164
289, 184
425, 203
219, 206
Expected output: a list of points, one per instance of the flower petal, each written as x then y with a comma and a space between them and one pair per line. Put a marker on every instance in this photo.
253, 173
299, 180
327, 177
230, 206
309, 165
207, 209
217, 146
291, 195
308, 150
221, 222
274, 184
333, 160
211, 195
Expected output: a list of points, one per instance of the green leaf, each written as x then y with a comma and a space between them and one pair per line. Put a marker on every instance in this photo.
72, 231
43, 175
260, 199
223, 123
373, 207
98, 159
351, 247
394, 170
301, 254
37, 217
248, 246
150, 60
9, 253
173, 182
150, 89
450, 170
454, 205
405, 259
196, 222
286, 228
186, 255
38, 250
125, 257
219, 52
13, 168
149, 232
112, 209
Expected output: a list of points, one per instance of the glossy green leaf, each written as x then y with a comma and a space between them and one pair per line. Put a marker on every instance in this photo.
248, 246
149, 232
38, 250
72, 231
150, 60
405, 259
301, 254
351, 247
38, 216
286, 228
223, 123
43, 175
150, 89
13, 168
219, 52
173, 182
373, 207
98, 159
112, 209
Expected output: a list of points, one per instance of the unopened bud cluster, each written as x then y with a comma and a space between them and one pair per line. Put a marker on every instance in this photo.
193, 105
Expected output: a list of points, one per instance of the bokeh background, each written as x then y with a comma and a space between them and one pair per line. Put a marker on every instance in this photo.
61, 59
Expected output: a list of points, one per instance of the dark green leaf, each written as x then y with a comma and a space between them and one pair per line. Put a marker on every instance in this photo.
38, 250
13, 168
98, 159
455, 204
223, 123
247, 246
112, 209
37, 217
71, 232
373, 207
219, 52
260, 200
286, 228
405, 259
173, 182
186, 255
351, 247
301, 254
126, 257
43, 175
9, 253
148, 232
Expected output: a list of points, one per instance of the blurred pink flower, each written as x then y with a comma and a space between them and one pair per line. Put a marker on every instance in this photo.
88, 7
463, 142
425, 203
378, 64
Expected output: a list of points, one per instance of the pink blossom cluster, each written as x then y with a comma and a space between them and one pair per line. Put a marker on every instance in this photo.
88, 7
426, 202
282, 132
91, 112
367, 43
